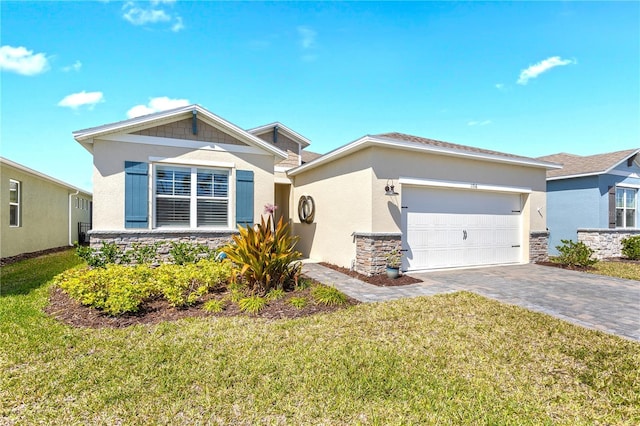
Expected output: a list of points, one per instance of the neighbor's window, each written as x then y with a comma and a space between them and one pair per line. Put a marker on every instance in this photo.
14, 202
191, 197
626, 208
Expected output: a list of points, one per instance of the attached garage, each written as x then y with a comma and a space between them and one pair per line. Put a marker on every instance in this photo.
461, 225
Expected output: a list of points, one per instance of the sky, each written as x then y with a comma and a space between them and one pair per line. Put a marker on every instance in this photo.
526, 78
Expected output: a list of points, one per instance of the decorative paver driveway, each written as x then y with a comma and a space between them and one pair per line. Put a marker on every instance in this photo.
593, 301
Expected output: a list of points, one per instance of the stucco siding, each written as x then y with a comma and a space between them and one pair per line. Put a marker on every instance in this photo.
183, 129
572, 204
44, 214
342, 194
109, 158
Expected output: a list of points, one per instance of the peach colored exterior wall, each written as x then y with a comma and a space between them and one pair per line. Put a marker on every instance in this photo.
183, 129
44, 221
350, 195
342, 194
108, 176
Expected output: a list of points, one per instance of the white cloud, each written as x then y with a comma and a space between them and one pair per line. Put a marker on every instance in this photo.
153, 14
162, 103
479, 123
22, 61
76, 100
499, 86
545, 65
75, 67
307, 37
177, 25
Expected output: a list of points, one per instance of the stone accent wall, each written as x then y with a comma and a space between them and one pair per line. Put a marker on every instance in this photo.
183, 129
538, 246
126, 239
372, 250
285, 144
606, 242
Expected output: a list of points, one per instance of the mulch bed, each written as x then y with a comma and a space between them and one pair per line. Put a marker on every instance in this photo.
561, 266
380, 280
70, 312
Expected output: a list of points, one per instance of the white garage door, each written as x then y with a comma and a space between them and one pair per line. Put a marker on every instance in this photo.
447, 228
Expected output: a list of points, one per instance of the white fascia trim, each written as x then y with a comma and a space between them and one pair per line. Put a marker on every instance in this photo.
412, 146
96, 132
463, 185
183, 143
189, 162
278, 179
623, 160
26, 169
287, 131
627, 185
459, 153
610, 172
282, 169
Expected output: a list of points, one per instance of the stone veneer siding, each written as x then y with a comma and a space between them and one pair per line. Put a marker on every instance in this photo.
539, 246
372, 250
606, 242
126, 239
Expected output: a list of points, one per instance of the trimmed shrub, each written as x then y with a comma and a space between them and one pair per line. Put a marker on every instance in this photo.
114, 289
631, 247
184, 285
575, 254
108, 254
264, 258
183, 253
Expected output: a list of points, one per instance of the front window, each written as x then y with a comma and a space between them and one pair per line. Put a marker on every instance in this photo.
191, 197
14, 202
625, 208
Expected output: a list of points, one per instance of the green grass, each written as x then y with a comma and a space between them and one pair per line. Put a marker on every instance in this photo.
629, 271
450, 359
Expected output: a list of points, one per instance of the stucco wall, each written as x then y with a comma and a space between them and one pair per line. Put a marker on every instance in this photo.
573, 203
44, 211
342, 196
350, 196
108, 177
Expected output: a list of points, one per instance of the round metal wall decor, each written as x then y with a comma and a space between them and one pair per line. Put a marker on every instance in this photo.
306, 209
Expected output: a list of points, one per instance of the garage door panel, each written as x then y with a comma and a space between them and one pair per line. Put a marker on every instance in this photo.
451, 228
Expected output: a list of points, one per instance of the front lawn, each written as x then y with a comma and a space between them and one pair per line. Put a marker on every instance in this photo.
451, 359
628, 270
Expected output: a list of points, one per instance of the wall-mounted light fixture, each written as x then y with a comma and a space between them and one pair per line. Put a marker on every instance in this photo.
389, 188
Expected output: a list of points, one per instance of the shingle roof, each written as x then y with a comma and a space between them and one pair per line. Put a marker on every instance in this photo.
447, 145
577, 165
309, 156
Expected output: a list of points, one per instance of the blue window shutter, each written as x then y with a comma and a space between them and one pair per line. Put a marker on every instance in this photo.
136, 195
244, 197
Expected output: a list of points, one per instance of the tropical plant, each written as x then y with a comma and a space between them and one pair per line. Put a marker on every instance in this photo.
575, 254
326, 295
264, 258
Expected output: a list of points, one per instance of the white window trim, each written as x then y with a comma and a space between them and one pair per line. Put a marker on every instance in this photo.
18, 203
625, 208
193, 204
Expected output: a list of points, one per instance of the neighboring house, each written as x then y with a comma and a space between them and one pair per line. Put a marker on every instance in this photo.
187, 174
39, 212
593, 199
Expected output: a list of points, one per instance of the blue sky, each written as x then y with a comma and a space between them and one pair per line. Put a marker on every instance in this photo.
528, 78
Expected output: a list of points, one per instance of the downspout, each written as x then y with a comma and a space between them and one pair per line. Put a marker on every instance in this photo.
70, 216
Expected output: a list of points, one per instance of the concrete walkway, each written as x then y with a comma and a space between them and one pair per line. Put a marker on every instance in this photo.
593, 301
